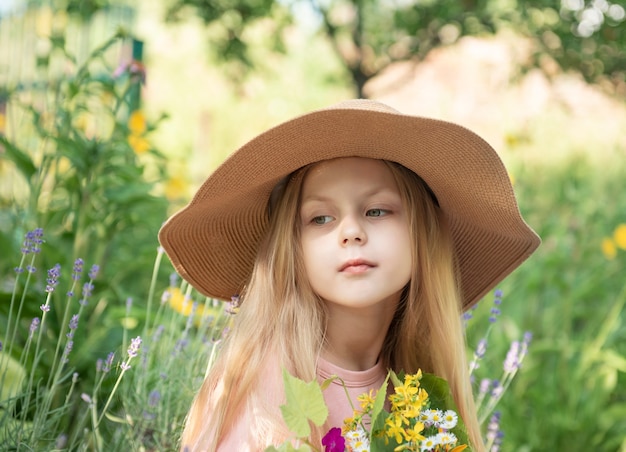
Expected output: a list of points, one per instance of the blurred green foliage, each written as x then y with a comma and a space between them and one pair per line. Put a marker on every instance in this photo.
79, 165
571, 391
587, 36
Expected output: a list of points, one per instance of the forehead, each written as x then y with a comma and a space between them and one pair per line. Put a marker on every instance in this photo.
335, 174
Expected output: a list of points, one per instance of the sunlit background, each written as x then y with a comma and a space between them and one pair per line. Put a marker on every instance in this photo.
98, 145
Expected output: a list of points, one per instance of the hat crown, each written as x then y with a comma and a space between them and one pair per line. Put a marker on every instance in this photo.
363, 104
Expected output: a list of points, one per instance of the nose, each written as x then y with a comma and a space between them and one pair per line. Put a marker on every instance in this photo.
352, 231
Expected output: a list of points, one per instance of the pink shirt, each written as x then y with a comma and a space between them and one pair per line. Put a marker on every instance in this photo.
244, 435
356, 383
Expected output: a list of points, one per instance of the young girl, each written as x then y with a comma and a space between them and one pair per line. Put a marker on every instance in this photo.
355, 237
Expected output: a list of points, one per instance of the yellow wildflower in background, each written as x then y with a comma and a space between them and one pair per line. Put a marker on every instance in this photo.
176, 187
137, 122
138, 144
608, 248
619, 236
178, 302
138, 126
3, 122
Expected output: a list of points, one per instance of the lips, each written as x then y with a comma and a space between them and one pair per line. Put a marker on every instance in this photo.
356, 266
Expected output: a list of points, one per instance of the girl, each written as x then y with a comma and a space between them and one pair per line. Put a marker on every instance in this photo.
355, 236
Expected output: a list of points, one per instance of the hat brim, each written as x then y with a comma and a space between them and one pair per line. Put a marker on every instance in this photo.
213, 241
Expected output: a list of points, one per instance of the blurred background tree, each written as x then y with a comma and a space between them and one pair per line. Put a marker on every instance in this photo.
227, 70
588, 36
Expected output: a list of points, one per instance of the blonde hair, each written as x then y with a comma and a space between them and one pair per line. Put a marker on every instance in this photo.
426, 332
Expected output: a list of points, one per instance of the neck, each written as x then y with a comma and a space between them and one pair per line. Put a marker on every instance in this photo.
355, 337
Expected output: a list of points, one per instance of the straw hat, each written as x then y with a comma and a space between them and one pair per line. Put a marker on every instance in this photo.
212, 242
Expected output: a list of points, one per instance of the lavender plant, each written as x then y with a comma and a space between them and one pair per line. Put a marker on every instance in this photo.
490, 387
140, 393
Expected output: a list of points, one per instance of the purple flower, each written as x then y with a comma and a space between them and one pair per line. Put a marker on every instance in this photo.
133, 349
511, 362
493, 428
129, 303
173, 280
485, 384
37, 240
86, 398
333, 441
67, 351
31, 269
481, 349
153, 398
93, 273
45, 307
73, 325
99, 365
108, 363
497, 389
32, 241
495, 310
53, 278
78, 269
28, 241
19, 270
125, 366
87, 290
61, 441
233, 306
33, 326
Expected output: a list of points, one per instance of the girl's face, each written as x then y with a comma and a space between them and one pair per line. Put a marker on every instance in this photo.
355, 233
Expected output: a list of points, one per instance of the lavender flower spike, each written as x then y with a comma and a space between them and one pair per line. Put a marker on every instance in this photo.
93, 273
37, 241
33, 326
78, 269
512, 363
53, 278
73, 325
108, 363
133, 349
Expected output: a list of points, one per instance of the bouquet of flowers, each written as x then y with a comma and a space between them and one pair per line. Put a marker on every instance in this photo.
421, 416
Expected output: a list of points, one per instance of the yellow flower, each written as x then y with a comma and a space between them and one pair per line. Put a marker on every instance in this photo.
367, 400
3, 122
619, 236
413, 434
178, 302
394, 428
137, 122
176, 187
608, 248
139, 144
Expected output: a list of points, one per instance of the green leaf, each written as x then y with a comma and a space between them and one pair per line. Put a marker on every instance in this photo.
326, 383
12, 374
440, 397
21, 160
305, 402
378, 412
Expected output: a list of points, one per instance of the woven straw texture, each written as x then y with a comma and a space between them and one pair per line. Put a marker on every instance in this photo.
212, 242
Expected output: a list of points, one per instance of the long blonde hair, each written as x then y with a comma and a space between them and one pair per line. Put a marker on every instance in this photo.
426, 332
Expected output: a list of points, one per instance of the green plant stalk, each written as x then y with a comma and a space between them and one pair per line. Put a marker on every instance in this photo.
17, 317
66, 315
108, 402
13, 296
155, 271
35, 358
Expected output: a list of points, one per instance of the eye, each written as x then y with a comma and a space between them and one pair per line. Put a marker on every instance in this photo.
322, 219
376, 212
